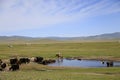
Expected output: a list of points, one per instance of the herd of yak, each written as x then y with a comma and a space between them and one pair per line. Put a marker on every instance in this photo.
15, 62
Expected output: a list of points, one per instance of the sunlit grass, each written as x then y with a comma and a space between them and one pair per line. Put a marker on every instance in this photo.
34, 71
67, 49
40, 72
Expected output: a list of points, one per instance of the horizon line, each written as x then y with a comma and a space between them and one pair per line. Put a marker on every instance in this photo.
54, 36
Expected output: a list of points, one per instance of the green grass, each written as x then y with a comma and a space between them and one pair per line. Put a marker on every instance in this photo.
67, 49
39, 72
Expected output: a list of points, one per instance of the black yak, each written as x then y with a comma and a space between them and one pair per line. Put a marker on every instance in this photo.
24, 60
14, 67
13, 61
38, 59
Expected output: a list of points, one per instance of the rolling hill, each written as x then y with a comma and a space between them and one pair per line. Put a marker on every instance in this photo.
24, 39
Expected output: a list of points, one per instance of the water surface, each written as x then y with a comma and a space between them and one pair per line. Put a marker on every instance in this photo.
82, 63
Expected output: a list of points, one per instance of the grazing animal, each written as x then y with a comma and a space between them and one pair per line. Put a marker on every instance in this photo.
45, 62
38, 59
14, 67
59, 55
32, 59
14, 64
24, 60
10, 46
102, 62
109, 64
3, 65
13, 61
0, 69
52, 61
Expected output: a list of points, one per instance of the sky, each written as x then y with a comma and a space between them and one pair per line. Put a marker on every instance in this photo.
61, 18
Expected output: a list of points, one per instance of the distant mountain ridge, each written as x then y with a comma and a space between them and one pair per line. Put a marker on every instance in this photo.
108, 36
115, 35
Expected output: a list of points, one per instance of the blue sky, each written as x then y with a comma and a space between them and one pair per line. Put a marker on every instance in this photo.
63, 18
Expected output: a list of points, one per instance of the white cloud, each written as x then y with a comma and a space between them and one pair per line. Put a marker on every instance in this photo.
25, 14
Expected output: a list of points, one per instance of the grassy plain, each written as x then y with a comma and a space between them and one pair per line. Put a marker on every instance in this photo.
107, 50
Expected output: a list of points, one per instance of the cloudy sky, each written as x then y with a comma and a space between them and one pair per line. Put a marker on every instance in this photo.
43, 18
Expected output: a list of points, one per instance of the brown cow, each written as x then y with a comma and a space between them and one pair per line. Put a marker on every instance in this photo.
59, 55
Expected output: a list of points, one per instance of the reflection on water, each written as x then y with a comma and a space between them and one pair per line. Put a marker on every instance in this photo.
84, 63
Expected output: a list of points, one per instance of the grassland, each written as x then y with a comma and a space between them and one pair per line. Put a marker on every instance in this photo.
87, 49
107, 50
